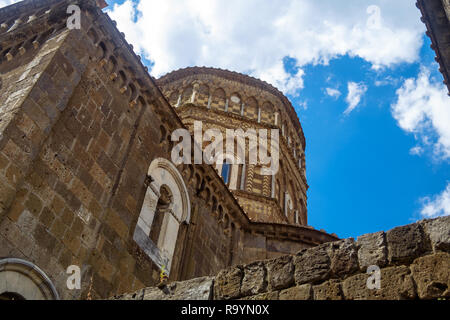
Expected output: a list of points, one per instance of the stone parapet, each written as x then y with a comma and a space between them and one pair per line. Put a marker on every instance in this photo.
413, 262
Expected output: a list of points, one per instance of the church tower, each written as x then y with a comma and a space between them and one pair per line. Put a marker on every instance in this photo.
221, 99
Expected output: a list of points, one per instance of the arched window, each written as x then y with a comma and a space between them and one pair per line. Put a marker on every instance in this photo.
235, 104
166, 206
218, 100
251, 108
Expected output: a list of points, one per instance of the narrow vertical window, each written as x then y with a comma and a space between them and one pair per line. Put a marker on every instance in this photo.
226, 172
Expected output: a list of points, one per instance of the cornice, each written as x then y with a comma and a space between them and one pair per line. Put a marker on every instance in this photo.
444, 61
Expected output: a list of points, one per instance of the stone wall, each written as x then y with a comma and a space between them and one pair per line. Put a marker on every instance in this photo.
81, 120
414, 262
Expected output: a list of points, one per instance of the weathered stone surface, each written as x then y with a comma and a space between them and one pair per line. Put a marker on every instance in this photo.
155, 293
372, 250
273, 295
194, 289
302, 292
312, 265
227, 284
330, 290
138, 295
343, 256
432, 275
396, 284
280, 272
406, 243
439, 232
254, 280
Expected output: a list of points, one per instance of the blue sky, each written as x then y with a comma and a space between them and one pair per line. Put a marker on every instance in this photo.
361, 76
362, 176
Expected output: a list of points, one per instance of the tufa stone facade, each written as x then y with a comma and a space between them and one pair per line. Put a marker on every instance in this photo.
413, 262
85, 173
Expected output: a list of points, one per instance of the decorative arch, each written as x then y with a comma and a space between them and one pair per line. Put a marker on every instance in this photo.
21, 279
186, 96
267, 113
166, 206
235, 103
218, 100
202, 98
251, 108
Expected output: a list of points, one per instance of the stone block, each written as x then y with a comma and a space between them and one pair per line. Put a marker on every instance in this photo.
330, 290
280, 273
432, 275
372, 250
312, 265
254, 280
194, 289
396, 283
273, 295
406, 243
34, 204
438, 231
343, 256
227, 284
138, 295
302, 292
6, 195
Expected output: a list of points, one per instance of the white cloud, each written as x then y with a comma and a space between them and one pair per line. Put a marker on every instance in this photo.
387, 81
416, 151
423, 108
355, 92
335, 93
254, 37
4, 3
303, 104
437, 206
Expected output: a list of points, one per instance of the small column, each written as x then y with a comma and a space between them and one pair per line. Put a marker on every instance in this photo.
194, 92
209, 102
273, 186
243, 177
234, 176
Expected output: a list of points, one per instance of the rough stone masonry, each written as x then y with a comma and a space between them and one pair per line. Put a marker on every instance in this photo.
414, 262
